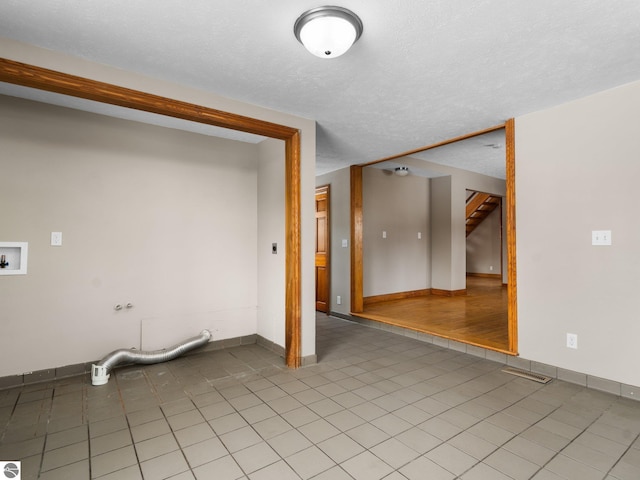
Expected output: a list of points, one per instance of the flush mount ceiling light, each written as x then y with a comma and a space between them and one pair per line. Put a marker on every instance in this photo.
328, 32
402, 171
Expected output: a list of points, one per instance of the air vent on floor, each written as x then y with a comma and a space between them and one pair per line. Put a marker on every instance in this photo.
528, 375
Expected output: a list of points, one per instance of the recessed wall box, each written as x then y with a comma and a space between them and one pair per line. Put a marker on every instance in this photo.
13, 258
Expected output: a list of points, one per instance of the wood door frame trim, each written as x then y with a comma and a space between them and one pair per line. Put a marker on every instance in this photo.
512, 278
357, 279
436, 145
357, 302
23, 74
327, 189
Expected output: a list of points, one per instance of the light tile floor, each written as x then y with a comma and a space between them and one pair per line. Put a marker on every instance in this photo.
377, 405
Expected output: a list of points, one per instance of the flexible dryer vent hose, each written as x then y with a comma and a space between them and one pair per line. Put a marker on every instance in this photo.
100, 372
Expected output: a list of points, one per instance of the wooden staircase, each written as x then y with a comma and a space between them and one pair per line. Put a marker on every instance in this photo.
479, 206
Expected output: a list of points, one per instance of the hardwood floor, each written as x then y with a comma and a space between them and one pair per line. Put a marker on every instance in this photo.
478, 318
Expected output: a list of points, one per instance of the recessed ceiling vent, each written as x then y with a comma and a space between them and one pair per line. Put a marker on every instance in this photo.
528, 375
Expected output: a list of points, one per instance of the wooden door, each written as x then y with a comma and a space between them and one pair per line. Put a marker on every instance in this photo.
322, 249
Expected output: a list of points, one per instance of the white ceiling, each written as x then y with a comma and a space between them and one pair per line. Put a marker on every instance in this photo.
423, 71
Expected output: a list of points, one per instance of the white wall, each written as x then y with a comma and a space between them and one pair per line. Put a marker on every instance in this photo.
398, 206
577, 170
64, 63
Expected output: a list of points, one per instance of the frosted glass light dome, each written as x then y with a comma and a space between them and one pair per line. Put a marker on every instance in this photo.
328, 32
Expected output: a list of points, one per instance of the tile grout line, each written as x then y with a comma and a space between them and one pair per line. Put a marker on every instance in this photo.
126, 417
571, 442
622, 456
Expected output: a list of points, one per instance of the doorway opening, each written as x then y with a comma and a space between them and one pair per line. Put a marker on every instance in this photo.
455, 292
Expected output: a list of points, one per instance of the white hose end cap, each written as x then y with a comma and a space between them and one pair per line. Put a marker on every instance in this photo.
99, 375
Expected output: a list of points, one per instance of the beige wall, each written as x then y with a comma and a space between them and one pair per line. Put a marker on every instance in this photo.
48, 59
339, 191
160, 218
271, 229
577, 170
445, 251
398, 206
484, 245
378, 192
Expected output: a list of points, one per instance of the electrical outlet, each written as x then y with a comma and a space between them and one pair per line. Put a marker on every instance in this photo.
601, 237
56, 239
572, 340
339, 300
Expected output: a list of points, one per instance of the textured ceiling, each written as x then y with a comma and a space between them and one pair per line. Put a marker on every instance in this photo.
423, 71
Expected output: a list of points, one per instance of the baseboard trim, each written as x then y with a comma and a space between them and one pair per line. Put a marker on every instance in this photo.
396, 296
52, 374
271, 346
484, 275
309, 360
448, 293
343, 316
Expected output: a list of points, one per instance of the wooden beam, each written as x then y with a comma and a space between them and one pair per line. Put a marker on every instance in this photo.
72, 85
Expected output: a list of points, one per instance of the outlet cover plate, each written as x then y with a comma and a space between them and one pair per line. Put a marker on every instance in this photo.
601, 237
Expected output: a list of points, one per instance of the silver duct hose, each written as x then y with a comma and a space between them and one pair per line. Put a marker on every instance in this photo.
100, 372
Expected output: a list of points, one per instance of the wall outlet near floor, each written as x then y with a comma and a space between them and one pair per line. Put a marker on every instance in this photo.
572, 340
339, 300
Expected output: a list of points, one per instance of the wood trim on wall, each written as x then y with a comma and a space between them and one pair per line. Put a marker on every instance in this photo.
512, 287
435, 145
357, 301
293, 263
396, 296
44, 79
449, 293
484, 275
